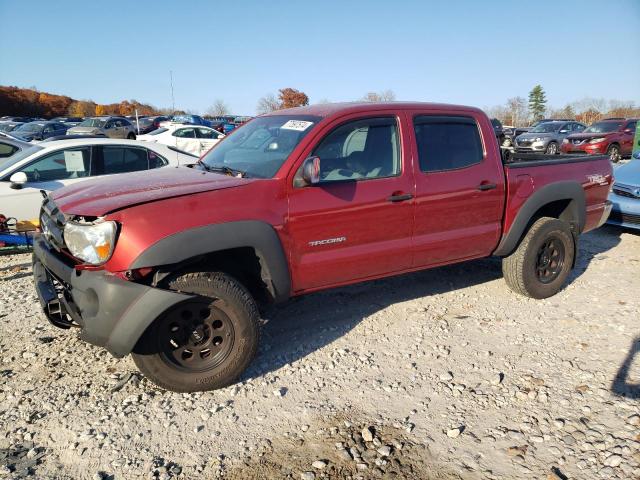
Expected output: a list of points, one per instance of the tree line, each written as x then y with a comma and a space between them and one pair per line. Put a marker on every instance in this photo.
521, 112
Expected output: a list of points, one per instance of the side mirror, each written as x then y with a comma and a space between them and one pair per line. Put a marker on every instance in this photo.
17, 180
311, 170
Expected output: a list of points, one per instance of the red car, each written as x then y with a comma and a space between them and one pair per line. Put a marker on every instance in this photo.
613, 136
174, 265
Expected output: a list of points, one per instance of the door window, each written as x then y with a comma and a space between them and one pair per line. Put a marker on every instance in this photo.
447, 143
7, 150
206, 133
185, 133
121, 159
360, 150
632, 126
60, 165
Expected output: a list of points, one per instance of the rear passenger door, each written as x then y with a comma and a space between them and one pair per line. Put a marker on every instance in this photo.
459, 189
186, 140
116, 159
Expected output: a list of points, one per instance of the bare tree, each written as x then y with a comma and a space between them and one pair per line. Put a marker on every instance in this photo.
517, 111
218, 109
384, 96
267, 104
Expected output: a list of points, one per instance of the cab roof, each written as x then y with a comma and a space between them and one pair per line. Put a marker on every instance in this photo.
329, 109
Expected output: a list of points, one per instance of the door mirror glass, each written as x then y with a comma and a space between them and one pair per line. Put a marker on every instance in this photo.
18, 179
311, 171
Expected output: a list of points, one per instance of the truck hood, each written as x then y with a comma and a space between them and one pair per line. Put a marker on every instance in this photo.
104, 195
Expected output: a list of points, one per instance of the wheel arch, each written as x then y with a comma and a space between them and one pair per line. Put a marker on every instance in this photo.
562, 200
224, 242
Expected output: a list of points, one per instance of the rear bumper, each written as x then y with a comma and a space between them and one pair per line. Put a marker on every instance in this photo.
110, 312
608, 205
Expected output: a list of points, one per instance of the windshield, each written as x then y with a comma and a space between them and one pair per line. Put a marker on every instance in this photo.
93, 122
603, 127
29, 127
547, 127
158, 131
16, 157
260, 147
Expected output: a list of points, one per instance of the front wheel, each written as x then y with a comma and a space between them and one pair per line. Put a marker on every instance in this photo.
541, 263
204, 343
614, 153
552, 148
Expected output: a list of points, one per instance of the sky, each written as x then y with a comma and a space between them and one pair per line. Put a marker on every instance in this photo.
456, 51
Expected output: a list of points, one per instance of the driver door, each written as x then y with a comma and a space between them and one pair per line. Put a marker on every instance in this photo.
357, 222
186, 140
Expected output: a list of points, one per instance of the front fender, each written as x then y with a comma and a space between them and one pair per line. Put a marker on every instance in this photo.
256, 234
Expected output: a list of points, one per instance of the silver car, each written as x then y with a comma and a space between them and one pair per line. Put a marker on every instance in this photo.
112, 127
546, 137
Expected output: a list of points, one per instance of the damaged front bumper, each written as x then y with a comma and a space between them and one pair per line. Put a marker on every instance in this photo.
110, 312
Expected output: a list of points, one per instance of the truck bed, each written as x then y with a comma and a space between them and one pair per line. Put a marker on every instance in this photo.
520, 160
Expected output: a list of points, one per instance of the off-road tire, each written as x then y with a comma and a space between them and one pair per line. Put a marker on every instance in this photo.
224, 294
520, 269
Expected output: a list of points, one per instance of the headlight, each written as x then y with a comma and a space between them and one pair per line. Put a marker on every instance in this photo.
597, 140
537, 139
92, 243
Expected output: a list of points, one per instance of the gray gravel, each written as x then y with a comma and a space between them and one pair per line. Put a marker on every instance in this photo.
443, 373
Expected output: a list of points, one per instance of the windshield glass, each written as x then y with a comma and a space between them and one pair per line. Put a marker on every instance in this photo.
158, 131
16, 157
547, 127
261, 146
603, 127
93, 122
29, 127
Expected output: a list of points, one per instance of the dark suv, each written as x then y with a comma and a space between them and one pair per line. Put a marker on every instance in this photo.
613, 136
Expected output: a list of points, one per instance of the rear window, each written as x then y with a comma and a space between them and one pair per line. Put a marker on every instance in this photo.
447, 143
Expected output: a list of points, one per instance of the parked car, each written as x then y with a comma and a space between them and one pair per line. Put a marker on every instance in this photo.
52, 165
546, 120
297, 201
70, 121
11, 146
625, 195
546, 137
157, 120
39, 130
8, 118
9, 126
187, 120
611, 136
143, 125
499, 130
189, 138
510, 133
112, 127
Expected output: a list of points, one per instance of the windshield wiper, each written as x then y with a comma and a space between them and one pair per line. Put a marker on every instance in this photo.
224, 169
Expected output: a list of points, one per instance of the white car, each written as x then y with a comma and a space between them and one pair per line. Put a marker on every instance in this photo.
51, 165
194, 139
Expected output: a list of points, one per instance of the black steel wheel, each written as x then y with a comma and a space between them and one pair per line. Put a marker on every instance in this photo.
550, 261
205, 342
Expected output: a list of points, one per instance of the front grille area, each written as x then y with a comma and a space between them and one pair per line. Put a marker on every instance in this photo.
524, 143
623, 193
52, 224
620, 217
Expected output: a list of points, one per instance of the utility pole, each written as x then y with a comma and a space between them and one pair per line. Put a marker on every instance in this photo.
173, 100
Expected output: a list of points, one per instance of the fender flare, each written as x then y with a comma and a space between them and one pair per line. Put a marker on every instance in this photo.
575, 213
256, 234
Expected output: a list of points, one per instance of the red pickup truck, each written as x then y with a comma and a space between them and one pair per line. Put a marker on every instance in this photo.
175, 265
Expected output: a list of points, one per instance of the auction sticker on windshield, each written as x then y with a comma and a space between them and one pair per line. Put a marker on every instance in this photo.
298, 125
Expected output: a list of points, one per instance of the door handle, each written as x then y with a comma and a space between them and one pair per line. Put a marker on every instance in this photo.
487, 186
400, 197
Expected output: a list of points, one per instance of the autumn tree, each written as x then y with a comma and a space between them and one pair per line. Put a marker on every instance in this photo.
101, 110
268, 103
218, 109
537, 102
384, 96
81, 108
290, 98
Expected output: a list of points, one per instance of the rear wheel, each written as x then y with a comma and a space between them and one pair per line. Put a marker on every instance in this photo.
204, 343
552, 148
131, 136
541, 263
614, 153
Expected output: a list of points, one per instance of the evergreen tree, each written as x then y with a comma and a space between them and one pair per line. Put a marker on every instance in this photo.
537, 102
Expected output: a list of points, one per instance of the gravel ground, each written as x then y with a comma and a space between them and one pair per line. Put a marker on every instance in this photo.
439, 374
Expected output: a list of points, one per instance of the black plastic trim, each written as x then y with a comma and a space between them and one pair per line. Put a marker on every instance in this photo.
577, 212
197, 241
541, 159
